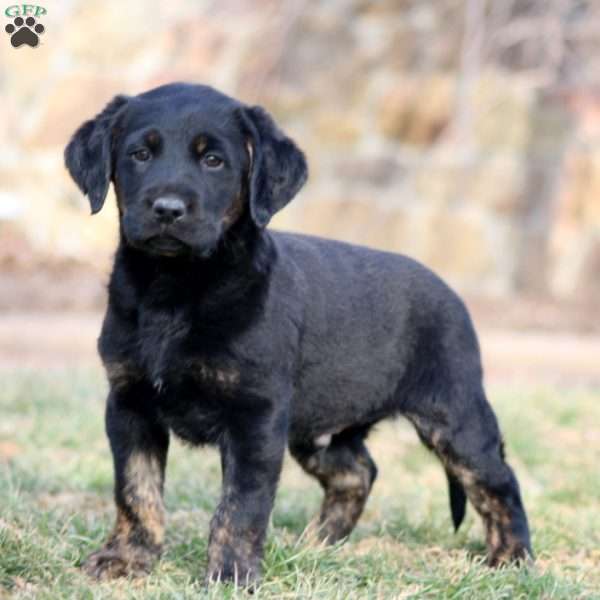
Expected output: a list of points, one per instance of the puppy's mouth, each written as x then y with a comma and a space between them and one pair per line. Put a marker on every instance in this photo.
166, 245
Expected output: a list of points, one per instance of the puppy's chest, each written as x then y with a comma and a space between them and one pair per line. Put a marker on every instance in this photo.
161, 340
177, 354
193, 382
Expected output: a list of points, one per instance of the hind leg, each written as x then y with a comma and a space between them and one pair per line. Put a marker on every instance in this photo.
466, 438
346, 472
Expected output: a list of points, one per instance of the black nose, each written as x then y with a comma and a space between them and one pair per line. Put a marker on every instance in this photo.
168, 209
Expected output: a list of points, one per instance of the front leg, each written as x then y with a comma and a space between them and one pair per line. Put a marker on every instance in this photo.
252, 451
139, 447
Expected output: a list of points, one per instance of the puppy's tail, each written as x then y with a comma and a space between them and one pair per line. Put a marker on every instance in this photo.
458, 500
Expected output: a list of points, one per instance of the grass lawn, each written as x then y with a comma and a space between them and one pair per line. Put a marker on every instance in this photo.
56, 507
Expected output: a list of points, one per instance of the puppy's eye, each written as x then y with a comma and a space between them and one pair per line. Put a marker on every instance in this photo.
212, 161
141, 155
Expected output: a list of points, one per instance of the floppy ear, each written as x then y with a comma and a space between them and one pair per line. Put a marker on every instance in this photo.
88, 155
278, 167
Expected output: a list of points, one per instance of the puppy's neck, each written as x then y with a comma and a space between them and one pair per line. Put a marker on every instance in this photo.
240, 263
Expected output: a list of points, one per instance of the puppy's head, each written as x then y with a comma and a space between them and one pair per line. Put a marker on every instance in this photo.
186, 162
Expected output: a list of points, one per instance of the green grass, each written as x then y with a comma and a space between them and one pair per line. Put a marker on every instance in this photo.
56, 506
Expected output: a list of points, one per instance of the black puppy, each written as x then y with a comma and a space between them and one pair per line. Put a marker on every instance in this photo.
225, 333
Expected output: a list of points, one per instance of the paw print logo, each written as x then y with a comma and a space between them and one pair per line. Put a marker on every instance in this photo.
24, 31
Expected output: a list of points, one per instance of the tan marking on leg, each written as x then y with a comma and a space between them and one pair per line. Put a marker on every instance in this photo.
503, 546
134, 545
348, 481
122, 527
464, 475
345, 496
143, 493
220, 538
230, 552
346, 475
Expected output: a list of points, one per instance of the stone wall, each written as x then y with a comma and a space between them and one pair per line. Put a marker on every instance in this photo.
487, 170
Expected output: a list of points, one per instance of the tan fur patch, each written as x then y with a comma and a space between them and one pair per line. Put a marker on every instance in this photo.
346, 488
143, 493
346, 494
349, 480
224, 544
153, 139
503, 546
227, 378
464, 475
507, 550
121, 374
200, 144
493, 537
118, 557
125, 552
235, 210
123, 526
339, 514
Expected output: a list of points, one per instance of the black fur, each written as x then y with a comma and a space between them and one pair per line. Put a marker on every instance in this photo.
225, 333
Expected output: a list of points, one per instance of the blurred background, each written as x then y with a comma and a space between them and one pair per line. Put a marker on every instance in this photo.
465, 133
